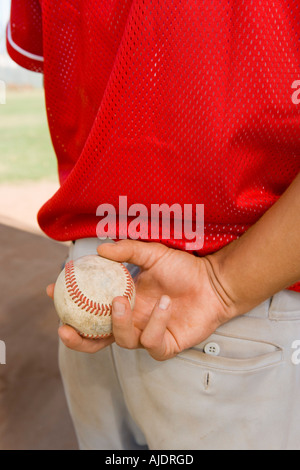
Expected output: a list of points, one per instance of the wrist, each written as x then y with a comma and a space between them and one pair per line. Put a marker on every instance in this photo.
236, 279
227, 280
215, 268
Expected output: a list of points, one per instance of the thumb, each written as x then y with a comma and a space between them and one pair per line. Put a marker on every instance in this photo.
50, 290
142, 254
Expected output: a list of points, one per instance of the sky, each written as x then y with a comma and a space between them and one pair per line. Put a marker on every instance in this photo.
4, 15
4, 11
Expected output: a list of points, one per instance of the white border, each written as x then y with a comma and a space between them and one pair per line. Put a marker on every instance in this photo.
20, 50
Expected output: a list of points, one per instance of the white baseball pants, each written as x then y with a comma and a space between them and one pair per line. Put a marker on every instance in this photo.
238, 390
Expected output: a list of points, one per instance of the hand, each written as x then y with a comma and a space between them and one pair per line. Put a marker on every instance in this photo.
179, 302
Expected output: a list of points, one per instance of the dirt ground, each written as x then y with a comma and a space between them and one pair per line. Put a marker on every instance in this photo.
33, 409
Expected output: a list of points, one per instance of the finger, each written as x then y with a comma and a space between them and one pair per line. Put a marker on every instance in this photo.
50, 290
72, 339
125, 333
142, 254
155, 336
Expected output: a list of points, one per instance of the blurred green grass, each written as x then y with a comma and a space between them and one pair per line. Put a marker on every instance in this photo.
26, 151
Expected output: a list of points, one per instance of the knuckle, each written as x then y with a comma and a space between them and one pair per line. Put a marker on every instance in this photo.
148, 342
158, 358
119, 342
132, 346
125, 343
68, 344
68, 341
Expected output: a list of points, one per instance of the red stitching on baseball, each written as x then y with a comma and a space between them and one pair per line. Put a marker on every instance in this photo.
129, 284
88, 305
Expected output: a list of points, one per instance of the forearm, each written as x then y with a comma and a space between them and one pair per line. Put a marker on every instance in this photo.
265, 260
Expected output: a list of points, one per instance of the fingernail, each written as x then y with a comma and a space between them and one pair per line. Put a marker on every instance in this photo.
164, 302
119, 309
104, 240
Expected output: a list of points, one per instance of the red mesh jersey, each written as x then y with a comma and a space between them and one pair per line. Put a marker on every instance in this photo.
165, 101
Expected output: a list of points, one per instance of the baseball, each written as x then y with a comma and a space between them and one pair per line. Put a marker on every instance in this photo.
84, 292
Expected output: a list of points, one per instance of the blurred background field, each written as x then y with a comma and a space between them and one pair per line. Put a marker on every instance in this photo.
33, 409
26, 152
28, 172
28, 169
25, 147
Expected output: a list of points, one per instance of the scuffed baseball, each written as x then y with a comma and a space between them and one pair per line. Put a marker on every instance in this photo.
84, 292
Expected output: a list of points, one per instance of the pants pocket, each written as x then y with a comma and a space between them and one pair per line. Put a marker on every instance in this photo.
285, 306
236, 400
235, 355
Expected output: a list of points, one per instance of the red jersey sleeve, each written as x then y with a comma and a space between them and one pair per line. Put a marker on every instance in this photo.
24, 34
